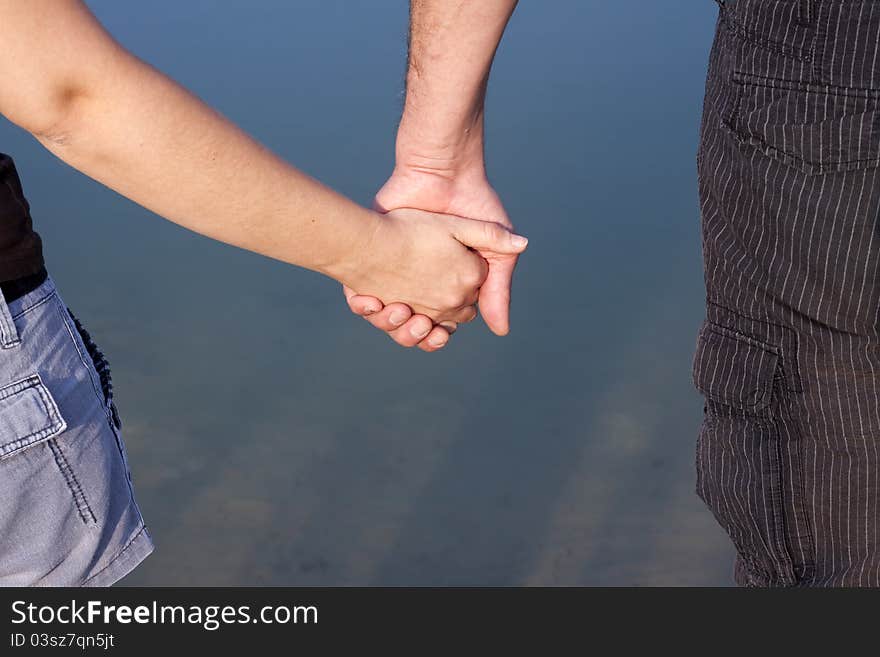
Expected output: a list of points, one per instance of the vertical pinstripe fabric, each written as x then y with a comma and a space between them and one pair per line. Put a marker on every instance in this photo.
788, 357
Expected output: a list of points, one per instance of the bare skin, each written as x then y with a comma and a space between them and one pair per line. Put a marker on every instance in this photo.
439, 155
108, 114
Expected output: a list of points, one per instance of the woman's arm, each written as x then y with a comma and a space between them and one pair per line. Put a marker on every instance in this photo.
118, 120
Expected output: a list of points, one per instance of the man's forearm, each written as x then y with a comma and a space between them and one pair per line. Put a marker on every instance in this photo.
452, 44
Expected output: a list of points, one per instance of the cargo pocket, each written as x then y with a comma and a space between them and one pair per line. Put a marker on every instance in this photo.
28, 415
814, 128
744, 454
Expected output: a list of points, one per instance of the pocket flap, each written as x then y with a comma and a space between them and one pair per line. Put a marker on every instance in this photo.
28, 415
733, 369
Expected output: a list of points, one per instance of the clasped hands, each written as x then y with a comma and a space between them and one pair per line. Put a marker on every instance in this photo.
443, 246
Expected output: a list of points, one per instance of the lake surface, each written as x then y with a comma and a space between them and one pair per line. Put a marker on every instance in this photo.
276, 439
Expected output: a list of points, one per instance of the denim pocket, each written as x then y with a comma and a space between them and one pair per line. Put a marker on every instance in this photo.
28, 415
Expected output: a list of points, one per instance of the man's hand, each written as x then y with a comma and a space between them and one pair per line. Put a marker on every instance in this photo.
430, 262
439, 156
461, 194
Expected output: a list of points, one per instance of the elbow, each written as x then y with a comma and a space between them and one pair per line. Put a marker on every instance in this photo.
55, 123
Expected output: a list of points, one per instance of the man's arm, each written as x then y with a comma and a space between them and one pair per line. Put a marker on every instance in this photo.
439, 151
452, 45
106, 113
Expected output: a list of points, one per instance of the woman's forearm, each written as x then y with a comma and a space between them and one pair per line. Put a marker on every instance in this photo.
155, 143
123, 123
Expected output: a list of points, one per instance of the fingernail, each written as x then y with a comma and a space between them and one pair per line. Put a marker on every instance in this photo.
518, 241
419, 332
437, 342
397, 318
370, 310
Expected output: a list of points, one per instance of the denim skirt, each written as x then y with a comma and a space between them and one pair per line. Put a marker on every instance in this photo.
68, 516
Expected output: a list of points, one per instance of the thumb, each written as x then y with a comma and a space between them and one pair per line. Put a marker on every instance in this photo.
488, 236
495, 293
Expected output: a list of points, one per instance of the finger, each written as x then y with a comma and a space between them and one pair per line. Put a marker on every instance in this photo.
437, 339
364, 305
464, 315
495, 294
413, 331
391, 317
487, 236
450, 327
360, 304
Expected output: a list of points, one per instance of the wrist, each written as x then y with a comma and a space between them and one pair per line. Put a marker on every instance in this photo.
451, 151
354, 256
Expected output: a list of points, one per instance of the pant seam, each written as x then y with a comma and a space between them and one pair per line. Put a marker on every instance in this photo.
79, 497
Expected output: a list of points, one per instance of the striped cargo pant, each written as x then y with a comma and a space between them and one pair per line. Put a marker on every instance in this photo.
788, 357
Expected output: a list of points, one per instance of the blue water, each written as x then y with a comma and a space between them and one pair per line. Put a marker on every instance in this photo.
275, 439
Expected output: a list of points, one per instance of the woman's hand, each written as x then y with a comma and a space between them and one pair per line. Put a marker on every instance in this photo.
463, 192
428, 262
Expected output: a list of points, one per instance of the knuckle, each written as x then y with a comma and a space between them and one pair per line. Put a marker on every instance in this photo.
467, 315
477, 274
491, 231
455, 299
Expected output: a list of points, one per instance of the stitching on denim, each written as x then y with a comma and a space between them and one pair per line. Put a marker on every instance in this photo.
99, 360
57, 423
8, 336
29, 440
17, 386
118, 555
79, 497
49, 403
102, 368
35, 305
8, 332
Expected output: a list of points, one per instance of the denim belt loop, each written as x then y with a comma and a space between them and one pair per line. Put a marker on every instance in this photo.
8, 333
